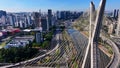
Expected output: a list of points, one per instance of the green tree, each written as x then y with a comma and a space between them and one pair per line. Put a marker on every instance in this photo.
45, 44
16, 54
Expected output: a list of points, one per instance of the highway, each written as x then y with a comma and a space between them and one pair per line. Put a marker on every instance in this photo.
71, 52
80, 44
63, 52
117, 41
59, 58
116, 59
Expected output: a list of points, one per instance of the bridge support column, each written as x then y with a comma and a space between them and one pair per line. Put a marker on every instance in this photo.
96, 33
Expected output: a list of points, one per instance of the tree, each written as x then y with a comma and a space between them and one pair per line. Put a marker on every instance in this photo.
16, 54
49, 36
45, 44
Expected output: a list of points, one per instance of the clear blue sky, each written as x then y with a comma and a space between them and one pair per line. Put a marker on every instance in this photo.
35, 5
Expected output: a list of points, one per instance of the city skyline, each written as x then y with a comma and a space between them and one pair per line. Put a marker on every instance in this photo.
59, 34
35, 5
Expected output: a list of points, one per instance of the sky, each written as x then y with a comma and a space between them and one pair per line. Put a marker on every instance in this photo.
35, 5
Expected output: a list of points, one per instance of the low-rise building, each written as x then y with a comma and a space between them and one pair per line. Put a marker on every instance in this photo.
20, 41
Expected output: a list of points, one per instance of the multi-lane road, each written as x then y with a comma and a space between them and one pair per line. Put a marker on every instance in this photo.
116, 49
80, 44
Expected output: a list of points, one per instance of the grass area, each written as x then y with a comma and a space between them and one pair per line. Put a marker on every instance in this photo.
107, 47
47, 59
57, 52
86, 33
2, 44
81, 24
75, 65
57, 66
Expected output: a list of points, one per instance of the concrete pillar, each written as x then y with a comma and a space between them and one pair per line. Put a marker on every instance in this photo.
92, 10
98, 22
92, 16
96, 33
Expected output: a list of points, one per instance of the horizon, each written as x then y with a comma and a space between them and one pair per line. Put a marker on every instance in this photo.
44, 5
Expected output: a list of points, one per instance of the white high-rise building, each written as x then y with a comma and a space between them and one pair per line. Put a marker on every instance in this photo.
11, 20
3, 19
118, 26
29, 20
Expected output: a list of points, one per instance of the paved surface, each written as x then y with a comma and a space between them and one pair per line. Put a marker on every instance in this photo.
80, 44
117, 41
78, 39
116, 59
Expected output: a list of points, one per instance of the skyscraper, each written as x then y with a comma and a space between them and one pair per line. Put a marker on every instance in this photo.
38, 37
63, 15
29, 20
3, 17
2, 13
11, 20
118, 26
114, 13
44, 24
117, 13
38, 34
40, 13
58, 15
50, 17
36, 16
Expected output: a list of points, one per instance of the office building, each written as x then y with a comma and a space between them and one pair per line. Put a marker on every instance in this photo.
2, 13
38, 37
50, 17
111, 28
44, 24
117, 13
36, 17
58, 15
11, 20
118, 26
114, 13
